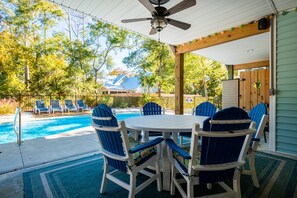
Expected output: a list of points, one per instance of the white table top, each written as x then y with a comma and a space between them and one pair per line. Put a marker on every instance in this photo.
164, 123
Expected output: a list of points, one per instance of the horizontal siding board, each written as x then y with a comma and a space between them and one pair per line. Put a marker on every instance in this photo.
286, 126
286, 83
286, 113
291, 60
291, 87
287, 74
286, 37
289, 140
288, 67
282, 93
287, 19
286, 32
286, 151
286, 100
284, 145
287, 107
287, 120
288, 47
287, 54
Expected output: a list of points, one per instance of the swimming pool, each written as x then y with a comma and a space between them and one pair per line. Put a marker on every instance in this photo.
50, 126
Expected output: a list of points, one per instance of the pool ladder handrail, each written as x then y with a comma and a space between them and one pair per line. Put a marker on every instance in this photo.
18, 125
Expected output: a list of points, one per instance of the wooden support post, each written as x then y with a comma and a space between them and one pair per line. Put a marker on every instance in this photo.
230, 70
179, 83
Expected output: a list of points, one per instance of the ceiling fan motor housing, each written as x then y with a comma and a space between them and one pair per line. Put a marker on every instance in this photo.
158, 23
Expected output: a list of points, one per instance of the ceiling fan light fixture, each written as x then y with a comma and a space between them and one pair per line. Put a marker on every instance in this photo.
159, 24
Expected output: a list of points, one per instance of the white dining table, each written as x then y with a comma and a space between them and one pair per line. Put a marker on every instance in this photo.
166, 124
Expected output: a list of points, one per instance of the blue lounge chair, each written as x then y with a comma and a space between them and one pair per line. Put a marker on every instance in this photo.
69, 106
151, 108
55, 106
203, 109
259, 115
119, 153
82, 106
224, 142
40, 107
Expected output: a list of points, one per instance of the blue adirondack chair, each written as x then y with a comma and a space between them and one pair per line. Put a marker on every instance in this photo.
219, 157
69, 106
259, 115
82, 106
152, 108
55, 106
203, 109
40, 107
123, 153
107, 108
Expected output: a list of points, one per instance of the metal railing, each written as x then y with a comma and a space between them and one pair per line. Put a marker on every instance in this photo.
17, 125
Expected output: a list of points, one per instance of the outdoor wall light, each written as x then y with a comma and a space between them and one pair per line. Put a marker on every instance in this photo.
159, 23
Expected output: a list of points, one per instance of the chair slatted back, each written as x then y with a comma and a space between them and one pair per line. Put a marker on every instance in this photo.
106, 107
205, 109
257, 112
69, 103
259, 115
217, 150
55, 103
152, 108
40, 103
80, 103
110, 141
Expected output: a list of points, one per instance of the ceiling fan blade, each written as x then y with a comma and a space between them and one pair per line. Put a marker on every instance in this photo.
185, 4
153, 31
148, 5
135, 20
179, 24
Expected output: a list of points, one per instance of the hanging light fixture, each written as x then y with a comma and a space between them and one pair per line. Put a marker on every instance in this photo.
159, 23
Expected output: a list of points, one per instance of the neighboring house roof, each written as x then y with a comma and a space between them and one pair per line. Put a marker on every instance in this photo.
123, 83
119, 79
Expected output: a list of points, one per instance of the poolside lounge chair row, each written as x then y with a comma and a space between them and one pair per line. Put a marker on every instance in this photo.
55, 106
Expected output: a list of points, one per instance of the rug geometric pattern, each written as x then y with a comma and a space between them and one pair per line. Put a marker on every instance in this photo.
82, 178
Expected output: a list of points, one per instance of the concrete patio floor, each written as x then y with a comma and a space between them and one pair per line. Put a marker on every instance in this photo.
36, 153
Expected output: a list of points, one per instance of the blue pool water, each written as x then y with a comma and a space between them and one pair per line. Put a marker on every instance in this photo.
51, 126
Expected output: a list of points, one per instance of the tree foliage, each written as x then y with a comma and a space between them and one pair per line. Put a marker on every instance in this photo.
154, 64
38, 56
47, 50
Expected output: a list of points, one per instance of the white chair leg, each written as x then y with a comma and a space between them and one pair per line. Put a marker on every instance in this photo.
104, 178
209, 186
172, 185
236, 184
181, 140
253, 170
190, 189
159, 182
174, 137
132, 185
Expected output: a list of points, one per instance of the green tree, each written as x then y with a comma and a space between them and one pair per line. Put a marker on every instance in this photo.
154, 64
104, 39
203, 76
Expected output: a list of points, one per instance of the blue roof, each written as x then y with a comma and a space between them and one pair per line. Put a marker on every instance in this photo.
123, 82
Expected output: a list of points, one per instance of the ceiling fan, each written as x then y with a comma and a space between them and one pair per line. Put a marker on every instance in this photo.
159, 13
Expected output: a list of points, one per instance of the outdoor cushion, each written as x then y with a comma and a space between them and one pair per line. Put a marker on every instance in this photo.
142, 155
185, 162
43, 109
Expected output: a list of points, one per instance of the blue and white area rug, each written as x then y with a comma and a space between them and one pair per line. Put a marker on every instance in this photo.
82, 178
